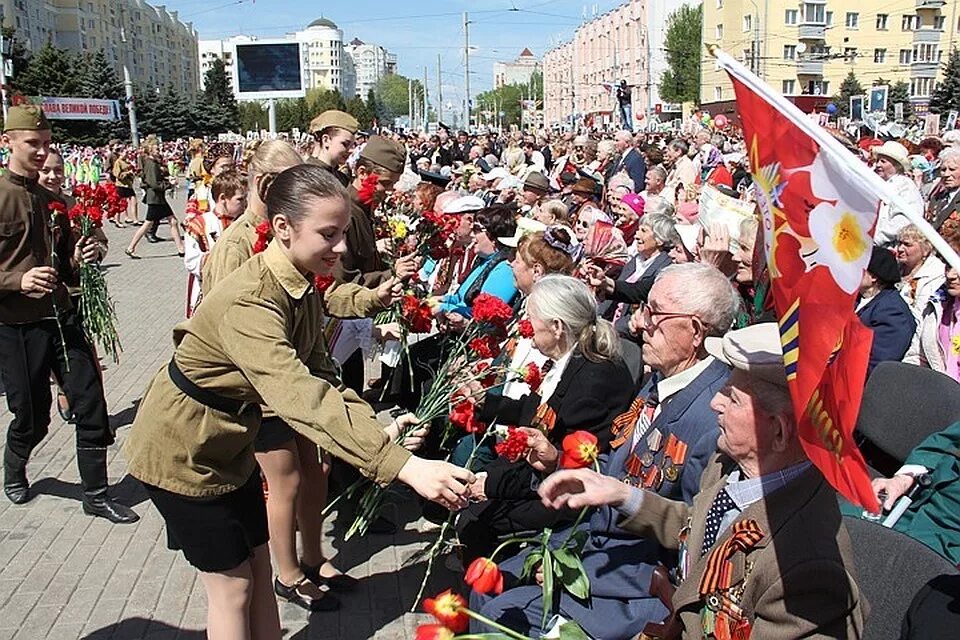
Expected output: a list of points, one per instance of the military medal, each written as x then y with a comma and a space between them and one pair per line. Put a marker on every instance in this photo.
671, 472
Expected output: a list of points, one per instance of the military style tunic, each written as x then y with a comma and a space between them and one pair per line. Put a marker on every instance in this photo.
26, 231
362, 262
257, 338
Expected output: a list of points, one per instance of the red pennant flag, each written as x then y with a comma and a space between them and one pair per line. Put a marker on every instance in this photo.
818, 220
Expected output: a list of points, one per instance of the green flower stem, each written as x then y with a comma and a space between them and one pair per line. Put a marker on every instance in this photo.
583, 512
507, 543
53, 294
496, 625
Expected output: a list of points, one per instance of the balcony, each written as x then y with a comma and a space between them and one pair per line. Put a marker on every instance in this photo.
927, 35
924, 69
930, 4
811, 31
809, 67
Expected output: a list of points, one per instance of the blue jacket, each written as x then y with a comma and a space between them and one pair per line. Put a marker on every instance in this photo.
498, 282
893, 326
636, 167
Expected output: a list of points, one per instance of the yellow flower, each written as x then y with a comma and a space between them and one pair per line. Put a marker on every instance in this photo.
398, 229
955, 344
848, 238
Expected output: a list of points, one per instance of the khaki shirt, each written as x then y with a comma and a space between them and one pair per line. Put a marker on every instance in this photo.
258, 338
361, 263
341, 177
26, 231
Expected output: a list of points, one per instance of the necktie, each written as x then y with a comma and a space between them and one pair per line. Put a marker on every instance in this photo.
722, 504
545, 369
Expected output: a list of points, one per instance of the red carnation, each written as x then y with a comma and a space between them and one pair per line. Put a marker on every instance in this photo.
56, 207
525, 328
488, 308
484, 346
484, 576
488, 380
416, 313
533, 376
433, 632
322, 283
263, 237
368, 189
514, 447
463, 415
448, 609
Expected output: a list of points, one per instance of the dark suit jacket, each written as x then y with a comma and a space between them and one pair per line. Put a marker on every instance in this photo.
636, 167
801, 583
588, 396
632, 292
154, 181
893, 326
942, 205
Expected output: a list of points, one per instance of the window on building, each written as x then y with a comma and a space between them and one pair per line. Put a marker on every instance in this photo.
718, 94
882, 21
719, 32
748, 22
909, 22
927, 52
812, 13
788, 87
921, 87
853, 20
938, 22
719, 4
789, 52
879, 55
829, 18
817, 88
790, 17
906, 55
849, 54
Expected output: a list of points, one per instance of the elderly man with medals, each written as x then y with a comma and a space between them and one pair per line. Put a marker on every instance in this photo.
763, 550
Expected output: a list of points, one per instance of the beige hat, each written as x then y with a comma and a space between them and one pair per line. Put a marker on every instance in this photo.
524, 226
334, 118
386, 153
755, 349
895, 152
26, 117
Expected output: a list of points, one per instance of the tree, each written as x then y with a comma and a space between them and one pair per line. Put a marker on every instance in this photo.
683, 47
253, 116
849, 87
320, 100
392, 94
47, 73
222, 113
359, 110
946, 96
373, 105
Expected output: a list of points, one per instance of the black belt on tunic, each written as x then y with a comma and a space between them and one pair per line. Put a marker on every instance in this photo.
204, 396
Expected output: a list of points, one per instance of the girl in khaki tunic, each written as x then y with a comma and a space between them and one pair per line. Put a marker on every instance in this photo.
257, 339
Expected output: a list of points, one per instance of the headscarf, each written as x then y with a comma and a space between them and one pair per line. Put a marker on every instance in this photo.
605, 246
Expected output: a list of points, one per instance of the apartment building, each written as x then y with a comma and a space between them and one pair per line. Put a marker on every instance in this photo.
371, 63
161, 49
805, 49
517, 71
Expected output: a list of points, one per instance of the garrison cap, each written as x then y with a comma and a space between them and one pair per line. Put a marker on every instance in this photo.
386, 153
26, 117
334, 118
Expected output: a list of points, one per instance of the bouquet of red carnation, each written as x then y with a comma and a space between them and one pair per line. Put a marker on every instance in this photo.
96, 308
435, 232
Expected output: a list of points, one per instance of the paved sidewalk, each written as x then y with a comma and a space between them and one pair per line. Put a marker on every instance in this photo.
65, 575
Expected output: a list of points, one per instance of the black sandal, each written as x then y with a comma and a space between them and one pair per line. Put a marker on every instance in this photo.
328, 602
340, 582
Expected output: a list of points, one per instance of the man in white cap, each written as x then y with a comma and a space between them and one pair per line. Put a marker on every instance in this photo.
763, 549
893, 165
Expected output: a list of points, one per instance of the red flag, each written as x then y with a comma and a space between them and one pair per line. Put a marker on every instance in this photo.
818, 221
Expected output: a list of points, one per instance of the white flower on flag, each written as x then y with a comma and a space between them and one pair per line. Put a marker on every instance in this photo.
840, 226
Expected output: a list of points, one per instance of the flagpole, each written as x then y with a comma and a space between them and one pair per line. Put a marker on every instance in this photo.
824, 139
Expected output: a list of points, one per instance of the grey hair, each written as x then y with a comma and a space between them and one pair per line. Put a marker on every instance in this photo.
664, 229
569, 301
680, 145
703, 290
658, 169
950, 153
621, 180
658, 205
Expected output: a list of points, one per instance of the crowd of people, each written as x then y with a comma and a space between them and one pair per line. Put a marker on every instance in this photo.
651, 331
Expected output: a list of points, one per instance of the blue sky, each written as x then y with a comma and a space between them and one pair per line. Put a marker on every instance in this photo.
415, 31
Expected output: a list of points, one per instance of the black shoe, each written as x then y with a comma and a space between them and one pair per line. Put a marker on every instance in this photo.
103, 507
340, 582
328, 602
152, 238
15, 484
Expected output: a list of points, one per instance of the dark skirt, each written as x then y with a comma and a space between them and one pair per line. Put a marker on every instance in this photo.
158, 212
125, 192
273, 432
215, 534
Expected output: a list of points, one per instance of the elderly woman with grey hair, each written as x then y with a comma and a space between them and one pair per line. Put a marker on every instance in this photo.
586, 385
656, 235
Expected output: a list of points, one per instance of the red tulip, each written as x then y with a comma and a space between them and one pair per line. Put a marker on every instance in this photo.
579, 450
433, 632
483, 576
448, 608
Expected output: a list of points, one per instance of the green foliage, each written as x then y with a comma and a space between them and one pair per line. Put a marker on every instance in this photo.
849, 87
392, 96
946, 97
222, 113
359, 110
508, 99
899, 92
684, 48
373, 105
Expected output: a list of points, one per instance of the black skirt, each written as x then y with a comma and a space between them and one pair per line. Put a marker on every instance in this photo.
273, 433
215, 534
125, 192
158, 212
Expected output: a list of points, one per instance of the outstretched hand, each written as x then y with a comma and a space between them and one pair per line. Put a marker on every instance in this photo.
579, 488
441, 482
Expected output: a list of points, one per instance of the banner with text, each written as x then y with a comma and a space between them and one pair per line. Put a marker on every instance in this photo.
81, 109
